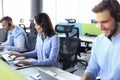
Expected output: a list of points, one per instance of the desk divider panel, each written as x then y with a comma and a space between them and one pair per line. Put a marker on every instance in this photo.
6, 73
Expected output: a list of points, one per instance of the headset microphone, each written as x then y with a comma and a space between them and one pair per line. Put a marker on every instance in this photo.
9, 24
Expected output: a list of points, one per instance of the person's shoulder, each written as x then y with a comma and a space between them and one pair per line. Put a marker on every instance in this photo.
18, 31
17, 28
100, 37
55, 36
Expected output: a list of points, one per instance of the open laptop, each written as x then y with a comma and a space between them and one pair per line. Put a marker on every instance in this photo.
49, 75
12, 62
7, 58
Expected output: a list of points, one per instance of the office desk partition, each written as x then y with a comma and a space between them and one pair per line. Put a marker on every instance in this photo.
6, 73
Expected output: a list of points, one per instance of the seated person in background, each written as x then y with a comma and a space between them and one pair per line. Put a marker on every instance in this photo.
105, 55
16, 39
47, 44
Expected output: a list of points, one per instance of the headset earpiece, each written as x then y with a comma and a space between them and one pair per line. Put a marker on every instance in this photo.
117, 18
9, 24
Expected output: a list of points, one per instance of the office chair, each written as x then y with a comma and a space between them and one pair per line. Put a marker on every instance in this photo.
23, 26
32, 35
69, 48
3, 35
68, 30
71, 31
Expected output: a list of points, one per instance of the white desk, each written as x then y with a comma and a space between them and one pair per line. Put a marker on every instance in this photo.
32, 70
69, 76
87, 38
26, 72
83, 38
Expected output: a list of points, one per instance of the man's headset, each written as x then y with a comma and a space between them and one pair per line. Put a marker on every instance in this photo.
9, 24
8, 19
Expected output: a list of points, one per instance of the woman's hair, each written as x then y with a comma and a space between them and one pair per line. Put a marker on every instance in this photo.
44, 21
112, 6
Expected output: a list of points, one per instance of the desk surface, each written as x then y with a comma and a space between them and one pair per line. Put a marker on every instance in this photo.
87, 38
32, 70
83, 38
24, 74
69, 76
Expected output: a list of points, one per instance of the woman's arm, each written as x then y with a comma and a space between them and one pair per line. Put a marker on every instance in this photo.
52, 59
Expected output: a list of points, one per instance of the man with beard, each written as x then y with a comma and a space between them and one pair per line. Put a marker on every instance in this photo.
105, 55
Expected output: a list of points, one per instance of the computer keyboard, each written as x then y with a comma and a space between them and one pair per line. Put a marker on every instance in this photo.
7, 57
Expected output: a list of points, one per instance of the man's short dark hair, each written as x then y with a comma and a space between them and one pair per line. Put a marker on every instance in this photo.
6, 18
112, 6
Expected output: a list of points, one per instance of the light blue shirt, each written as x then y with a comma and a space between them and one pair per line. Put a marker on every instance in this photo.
46, 51
105, 58
16, 41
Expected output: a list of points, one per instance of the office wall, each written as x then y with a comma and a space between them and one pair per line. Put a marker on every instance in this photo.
59, 10
16, 9
80, 10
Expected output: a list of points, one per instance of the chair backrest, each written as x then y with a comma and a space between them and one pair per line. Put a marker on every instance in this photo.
3, 35
32, 35
69, 30
23, 26
32, 41
75, 32
32, 29
69, 48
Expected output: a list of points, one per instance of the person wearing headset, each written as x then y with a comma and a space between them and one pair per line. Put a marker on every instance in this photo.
17, 37
47, 44
105, 54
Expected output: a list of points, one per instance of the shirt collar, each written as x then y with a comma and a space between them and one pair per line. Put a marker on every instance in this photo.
116, 38
40, 35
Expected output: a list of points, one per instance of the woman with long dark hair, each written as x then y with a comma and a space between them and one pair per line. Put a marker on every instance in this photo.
47, 44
